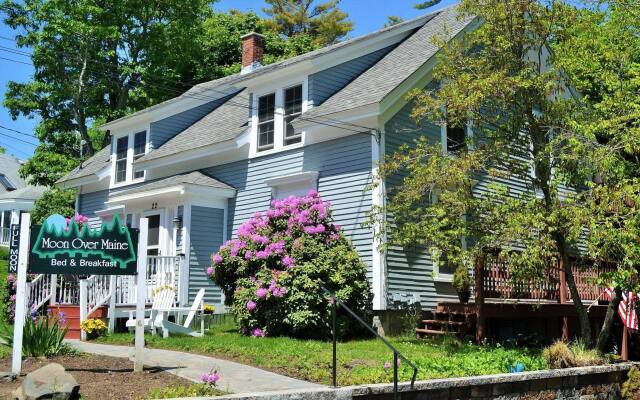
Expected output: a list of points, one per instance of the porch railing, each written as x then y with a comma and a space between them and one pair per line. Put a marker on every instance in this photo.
161, 271
4, 236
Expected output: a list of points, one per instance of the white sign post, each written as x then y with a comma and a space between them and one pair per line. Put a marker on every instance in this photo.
21, 295
141, 294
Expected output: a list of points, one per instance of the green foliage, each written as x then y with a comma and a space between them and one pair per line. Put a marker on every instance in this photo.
273, 274
631, 387
324, 22
54, 201
426, 4
180, 391
531, 128
4, 253
576, 354
393, 20
359, 361
96, 62
42, 337
461, 279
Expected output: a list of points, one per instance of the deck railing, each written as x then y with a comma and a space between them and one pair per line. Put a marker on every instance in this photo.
161, 271
4, 236
499, 283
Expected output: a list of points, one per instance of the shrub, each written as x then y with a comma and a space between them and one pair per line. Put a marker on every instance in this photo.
631, 387
4, 253
561, 355
93, 327
42, 336
461, 279
272, 274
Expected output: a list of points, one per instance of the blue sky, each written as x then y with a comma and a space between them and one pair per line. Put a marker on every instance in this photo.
367, 15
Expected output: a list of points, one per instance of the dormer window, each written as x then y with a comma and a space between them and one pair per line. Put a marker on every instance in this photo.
274, 111
122, 147
292, 110
139, 149
127, 149
266, 121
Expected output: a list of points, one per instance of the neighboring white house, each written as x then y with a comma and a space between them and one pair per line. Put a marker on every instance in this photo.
15, 195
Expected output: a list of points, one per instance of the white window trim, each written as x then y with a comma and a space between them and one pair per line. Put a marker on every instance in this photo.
310, 178
443, 135
131, 134
279, 127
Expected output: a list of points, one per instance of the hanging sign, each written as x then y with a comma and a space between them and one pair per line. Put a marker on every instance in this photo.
61, 248
14, 245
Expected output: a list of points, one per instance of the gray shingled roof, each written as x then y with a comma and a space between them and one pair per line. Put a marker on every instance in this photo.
9, 166
377, 82
91, 166
192, 178
224, 123
202, 89
25, 193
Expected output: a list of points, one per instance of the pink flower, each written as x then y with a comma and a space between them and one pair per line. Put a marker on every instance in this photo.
257, 332
11, 278
261, 293
387, 365
217, 258
288, 261
210, 271
279, 291
251, 305
248, 255
312, 193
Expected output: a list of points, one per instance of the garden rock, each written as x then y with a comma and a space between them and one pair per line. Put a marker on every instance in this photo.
48, 382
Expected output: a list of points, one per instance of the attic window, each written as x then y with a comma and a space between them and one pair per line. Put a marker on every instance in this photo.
6, 183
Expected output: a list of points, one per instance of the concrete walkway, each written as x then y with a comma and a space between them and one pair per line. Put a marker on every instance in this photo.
234, 377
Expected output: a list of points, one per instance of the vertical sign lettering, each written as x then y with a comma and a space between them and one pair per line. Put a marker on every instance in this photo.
14, 244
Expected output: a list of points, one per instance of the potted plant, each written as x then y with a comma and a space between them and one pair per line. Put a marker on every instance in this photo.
462, 283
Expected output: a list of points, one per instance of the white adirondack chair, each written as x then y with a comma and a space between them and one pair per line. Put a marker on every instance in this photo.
197, 305
163, 300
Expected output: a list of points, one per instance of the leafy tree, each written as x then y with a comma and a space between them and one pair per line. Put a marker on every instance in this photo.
54, 201
600, 52
2, 150
324, 22
426, 4
503, 81
96, 62
393, 20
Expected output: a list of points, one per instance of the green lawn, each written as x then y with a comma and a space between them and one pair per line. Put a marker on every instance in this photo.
359, 361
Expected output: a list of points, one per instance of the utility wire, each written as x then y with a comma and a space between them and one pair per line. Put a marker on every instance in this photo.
18, 139
17, 131
13, 148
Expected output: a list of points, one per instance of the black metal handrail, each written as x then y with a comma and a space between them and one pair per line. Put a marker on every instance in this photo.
335, 302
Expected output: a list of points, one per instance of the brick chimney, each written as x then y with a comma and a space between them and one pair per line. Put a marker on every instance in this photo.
252, 51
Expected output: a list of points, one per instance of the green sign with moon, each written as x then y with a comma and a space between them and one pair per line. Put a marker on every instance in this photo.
61, 247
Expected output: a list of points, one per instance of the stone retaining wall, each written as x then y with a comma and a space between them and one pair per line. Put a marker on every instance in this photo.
586, 383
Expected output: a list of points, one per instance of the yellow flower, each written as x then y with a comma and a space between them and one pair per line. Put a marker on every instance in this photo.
93, 325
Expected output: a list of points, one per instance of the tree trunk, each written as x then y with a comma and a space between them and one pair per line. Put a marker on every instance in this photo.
583, 317
607, 325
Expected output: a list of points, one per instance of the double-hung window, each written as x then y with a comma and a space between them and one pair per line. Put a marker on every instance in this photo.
456, 138
266, 121
292, 110
122, 147
139, 148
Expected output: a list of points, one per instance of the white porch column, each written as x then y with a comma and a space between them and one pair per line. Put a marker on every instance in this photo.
378, 200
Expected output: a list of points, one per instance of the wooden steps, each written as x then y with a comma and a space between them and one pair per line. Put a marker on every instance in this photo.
448, 321
72, 317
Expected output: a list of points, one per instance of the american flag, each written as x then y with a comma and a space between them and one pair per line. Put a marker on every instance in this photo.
626, 309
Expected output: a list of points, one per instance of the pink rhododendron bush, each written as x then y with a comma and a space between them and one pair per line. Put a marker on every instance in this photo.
272, 273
